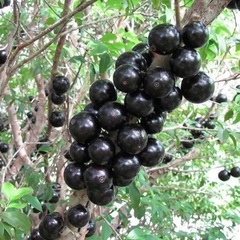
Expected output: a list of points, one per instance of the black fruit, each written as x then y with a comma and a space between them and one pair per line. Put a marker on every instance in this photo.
132, 138
127, 78
47, 235
73, 175
198, 88
171, 101
53, 223
195, 34
57, 99
125, 166
224, 175
132, 58
33, 120
47, 91
235, 172
4, 147
139, 104
78, 216
30, 98
91, 108
57, 119
232, 5
158, 82
3, 54
152, 154
120, 182
167, 158
164, 39
101, 198
30, 114
220, 98
237, 2
213, 116
112, 116
55, 198
84, 127
36, 108
101, 150
97, 177
68, 156
185, 62
102, 91
195, 132
91, 228
209, 124
144, 50
187, 143
153, 123
61, 84
35, 235
79, 152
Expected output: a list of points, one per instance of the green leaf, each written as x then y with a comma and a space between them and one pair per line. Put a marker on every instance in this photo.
2, 203
233, 139
77, 59
108, 37
223, 135
136, 233
134, 195
237, 119
228, 115
33, 201
156, 3
106, 231
8, 190
1, 230
9, 231
17, 205
105, 63
17, 219
21, 192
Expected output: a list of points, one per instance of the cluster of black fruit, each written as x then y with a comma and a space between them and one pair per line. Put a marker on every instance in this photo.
225, 175
112, 140
60, 85
234, 4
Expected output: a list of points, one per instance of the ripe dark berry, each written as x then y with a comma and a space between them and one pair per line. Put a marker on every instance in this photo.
97, 177
235, 172
3, 54
125, 166
101, 150
127, 78
198, 88
78, 216
35, 235
164, 39
138, 104
158, 82
152, 154
112, 116
102, 91
132, 58
30, 98
30, 114
224, 175
79, 152
53, 223
167, 158
195, 34
101, 198
36, 108
55, 198
144, 50
84, 127
68, 156
57, 99
91, 108
209, 124
91, 228
153, 123
171, 101
4, 147
61, 84
185, 62
132, 138
45, 234
187, 143
73, 175
220, 98
57, 119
